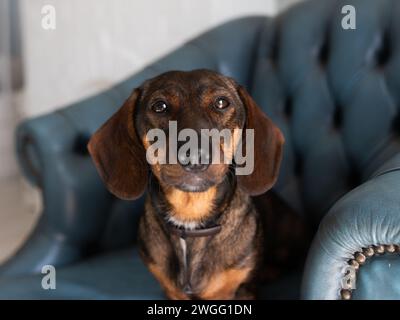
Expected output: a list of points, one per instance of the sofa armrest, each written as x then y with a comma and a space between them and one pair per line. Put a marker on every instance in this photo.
363, 224
74, 199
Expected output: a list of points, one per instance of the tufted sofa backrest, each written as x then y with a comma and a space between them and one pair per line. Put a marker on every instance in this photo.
335, 93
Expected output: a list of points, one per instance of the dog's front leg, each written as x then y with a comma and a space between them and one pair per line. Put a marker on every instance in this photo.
224, 285
170, 289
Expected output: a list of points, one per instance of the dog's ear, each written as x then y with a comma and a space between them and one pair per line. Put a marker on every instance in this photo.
268, 148
118, 153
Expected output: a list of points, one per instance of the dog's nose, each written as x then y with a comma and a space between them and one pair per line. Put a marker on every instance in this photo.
194, 162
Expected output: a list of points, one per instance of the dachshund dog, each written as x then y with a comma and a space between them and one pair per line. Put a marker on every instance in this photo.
204, 234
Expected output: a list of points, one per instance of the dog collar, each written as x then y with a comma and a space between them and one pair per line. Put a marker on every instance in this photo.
203, 232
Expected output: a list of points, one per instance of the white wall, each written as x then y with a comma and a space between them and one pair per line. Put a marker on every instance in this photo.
7, 112
99, 42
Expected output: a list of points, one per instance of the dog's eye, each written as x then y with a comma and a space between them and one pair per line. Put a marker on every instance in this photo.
221, 103
159, 107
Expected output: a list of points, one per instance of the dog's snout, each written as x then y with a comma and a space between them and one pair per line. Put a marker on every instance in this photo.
194, 161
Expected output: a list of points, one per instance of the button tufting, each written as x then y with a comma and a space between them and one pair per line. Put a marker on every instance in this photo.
80, 144
353, 178
396, 123
323, 53
298, 166
288, 107
275, 50
383, 52
337, 117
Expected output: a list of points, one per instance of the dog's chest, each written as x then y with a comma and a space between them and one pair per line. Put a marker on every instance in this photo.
202, 266
205, 263
192, 264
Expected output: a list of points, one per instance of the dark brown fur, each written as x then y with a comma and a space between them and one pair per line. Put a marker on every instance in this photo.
225, 265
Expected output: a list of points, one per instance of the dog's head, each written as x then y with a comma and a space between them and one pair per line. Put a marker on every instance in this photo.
196, 100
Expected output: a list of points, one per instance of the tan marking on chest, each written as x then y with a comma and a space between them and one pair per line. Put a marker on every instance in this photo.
191, 206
